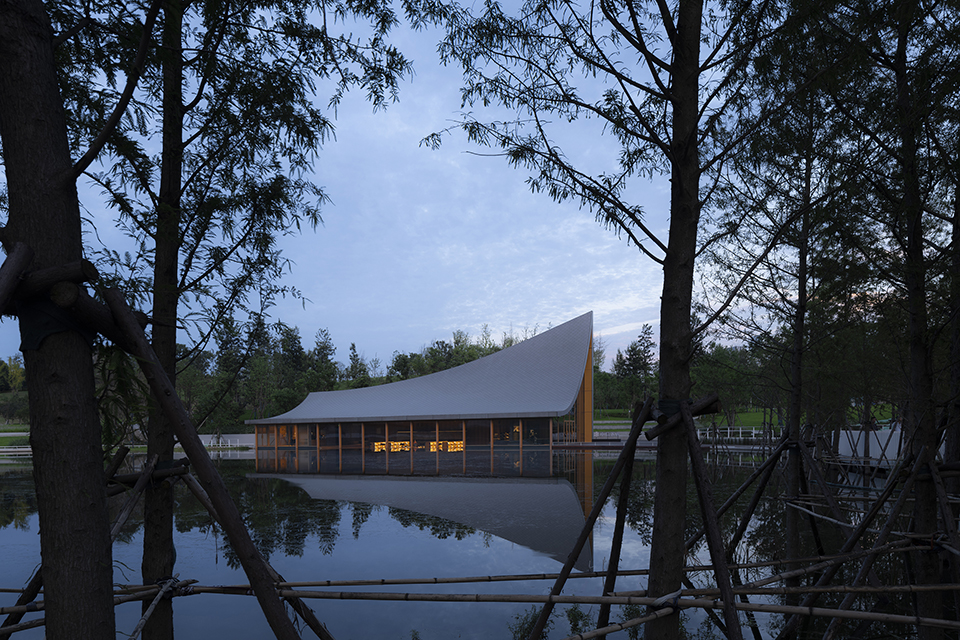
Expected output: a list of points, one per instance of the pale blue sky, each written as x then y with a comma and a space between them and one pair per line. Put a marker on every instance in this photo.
418, 243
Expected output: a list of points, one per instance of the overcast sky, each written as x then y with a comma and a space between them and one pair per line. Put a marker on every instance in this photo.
418, 243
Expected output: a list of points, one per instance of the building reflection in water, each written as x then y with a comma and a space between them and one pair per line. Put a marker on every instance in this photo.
486, 476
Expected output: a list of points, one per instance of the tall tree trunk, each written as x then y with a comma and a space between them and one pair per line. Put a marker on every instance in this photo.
794, 417
921, 418
158, 549
952, 451
676, 335
64, 425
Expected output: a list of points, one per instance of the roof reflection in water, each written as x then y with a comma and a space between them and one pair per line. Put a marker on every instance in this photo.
542, 514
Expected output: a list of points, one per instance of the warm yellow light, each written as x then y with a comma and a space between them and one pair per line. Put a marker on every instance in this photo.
394, 446
446, 445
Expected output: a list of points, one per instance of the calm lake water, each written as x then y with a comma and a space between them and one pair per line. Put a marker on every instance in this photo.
309, 538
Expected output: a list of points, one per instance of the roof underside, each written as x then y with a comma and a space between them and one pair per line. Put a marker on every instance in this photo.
538, 377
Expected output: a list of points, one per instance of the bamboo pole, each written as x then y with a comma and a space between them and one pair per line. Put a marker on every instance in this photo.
751, 619
836, 561
231, 520
766, 468
814, 529
134, 497
121, 596
553, 576
828, 589
118, 457
23, 626
712, 525
618, 600
633, 622
169, 584
610, 581
39, 282
630, 444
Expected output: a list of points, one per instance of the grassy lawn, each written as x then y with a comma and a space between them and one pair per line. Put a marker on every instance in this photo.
15, 428
18, 441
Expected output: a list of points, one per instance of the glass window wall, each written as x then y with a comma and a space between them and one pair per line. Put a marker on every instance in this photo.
497, 447
351, 447
450, 447
374, 447
399, 449
328, 439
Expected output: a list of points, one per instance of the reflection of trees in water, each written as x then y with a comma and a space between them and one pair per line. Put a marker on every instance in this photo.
361, 512
281, 517
17, 500
438, 527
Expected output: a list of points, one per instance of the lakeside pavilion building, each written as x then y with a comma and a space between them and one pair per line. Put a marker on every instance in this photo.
496, 416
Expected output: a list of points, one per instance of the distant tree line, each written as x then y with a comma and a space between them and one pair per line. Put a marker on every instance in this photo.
259, 370
13, 404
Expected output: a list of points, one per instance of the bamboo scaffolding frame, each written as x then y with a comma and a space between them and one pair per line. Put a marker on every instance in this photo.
609, 584
853, 539
587, 530
135, 342
769, 462
900, 545
950, 524
712, 526
885, 533
688, 599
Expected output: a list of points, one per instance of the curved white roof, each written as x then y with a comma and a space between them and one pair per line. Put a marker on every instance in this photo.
540, 376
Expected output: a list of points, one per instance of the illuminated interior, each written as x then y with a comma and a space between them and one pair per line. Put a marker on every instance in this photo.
495, 447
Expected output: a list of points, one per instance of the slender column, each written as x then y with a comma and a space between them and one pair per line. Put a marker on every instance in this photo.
491, 446
521, 446
550, 432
